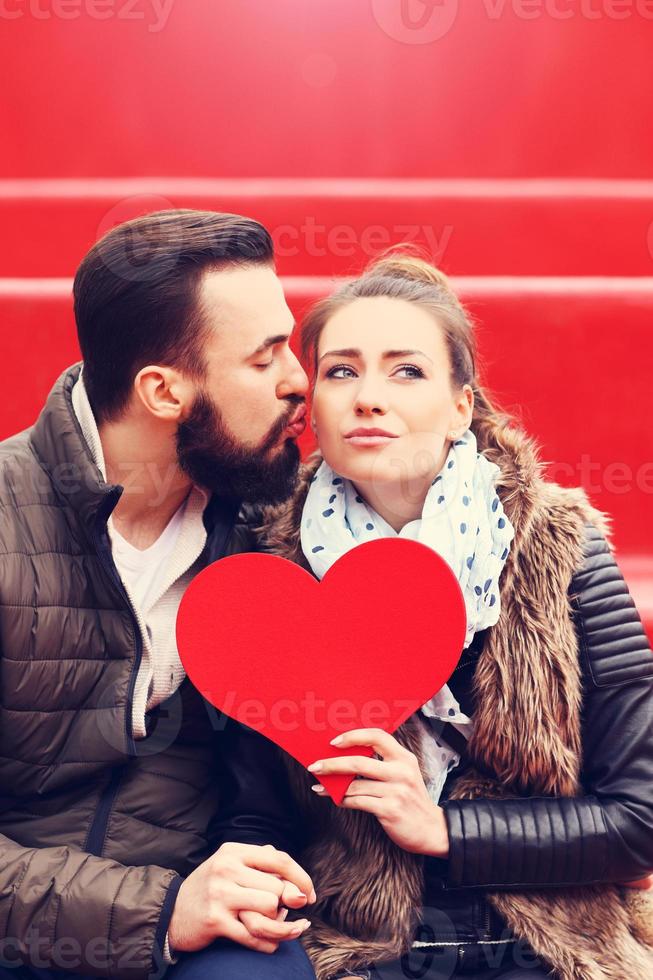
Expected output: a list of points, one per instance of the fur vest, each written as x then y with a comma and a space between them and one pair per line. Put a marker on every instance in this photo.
526, 734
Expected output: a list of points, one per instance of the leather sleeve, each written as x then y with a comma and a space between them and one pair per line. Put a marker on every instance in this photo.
256, 805
607, 834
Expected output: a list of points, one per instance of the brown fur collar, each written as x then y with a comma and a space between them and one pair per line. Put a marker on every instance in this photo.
527, 687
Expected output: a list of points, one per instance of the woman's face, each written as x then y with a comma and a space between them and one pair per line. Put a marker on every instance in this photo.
383, 365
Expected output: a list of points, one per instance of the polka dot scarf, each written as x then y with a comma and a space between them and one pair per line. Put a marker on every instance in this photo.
462, 520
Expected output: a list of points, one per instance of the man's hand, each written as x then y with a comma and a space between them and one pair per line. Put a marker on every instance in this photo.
236, 894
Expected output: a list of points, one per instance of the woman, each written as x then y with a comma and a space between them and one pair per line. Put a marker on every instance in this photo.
486, 836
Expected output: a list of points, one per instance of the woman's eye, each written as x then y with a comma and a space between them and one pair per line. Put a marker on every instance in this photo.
263, 366
414, 371
334, 372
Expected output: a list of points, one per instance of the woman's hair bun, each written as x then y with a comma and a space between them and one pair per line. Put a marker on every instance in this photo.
400, 264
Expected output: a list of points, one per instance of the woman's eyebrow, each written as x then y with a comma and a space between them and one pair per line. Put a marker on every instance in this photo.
387, 355
344, 352
406, 353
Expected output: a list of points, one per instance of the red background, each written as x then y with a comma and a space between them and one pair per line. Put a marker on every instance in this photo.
519, 142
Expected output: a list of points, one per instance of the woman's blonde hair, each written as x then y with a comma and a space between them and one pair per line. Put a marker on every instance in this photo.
398, 274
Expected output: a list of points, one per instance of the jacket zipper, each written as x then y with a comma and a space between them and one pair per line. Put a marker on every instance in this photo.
98, 830
112, 572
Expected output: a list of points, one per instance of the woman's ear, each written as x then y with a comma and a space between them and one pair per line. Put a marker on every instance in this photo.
464, 409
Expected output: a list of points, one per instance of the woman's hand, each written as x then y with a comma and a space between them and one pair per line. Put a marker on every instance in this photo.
391, 788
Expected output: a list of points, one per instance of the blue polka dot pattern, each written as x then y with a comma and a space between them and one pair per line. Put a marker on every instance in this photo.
328, 513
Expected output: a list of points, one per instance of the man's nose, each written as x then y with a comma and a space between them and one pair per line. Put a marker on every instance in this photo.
294, 381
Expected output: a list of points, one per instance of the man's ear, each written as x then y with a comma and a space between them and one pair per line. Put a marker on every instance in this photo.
163, 392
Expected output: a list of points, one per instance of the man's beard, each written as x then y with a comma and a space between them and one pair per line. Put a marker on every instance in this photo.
213, 459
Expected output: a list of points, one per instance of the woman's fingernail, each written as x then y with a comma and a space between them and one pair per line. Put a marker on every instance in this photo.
315, 767
305, 925
317, 788
336, 741
283, 915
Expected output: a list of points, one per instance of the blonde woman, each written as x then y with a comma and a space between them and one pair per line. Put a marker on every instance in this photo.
492, 834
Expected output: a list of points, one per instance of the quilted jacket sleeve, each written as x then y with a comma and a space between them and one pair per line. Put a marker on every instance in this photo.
63, 909
607, 834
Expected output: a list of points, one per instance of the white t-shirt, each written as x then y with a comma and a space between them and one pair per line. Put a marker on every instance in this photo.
144, 572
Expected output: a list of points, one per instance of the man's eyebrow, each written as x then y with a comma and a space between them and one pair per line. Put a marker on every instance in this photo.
279, 338
387, 355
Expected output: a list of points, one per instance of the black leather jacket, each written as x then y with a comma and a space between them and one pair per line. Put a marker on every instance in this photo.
604, 836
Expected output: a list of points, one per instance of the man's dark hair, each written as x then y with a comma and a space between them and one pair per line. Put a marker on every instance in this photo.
136, 296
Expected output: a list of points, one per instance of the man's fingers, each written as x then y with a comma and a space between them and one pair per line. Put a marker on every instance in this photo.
239, 933
251, 878
273, 930
278, 862
255, 900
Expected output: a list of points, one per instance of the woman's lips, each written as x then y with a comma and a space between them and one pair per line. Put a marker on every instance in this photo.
369, 440
375, 437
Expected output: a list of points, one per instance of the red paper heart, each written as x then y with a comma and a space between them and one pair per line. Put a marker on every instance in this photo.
303, 661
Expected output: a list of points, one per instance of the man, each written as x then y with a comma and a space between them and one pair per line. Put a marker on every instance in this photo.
187, 404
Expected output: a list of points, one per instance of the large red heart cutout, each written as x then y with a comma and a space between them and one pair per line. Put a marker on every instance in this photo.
302, 661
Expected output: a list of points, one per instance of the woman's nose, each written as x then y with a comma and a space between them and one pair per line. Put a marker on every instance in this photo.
370, 400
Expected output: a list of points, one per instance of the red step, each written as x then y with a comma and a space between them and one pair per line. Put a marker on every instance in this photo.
333, 227
570, 356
